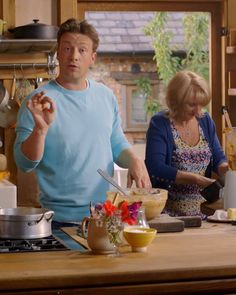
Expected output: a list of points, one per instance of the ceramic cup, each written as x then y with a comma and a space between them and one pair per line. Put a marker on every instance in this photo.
97, 236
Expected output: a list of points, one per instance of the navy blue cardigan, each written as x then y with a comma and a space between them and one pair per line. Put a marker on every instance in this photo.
160, 147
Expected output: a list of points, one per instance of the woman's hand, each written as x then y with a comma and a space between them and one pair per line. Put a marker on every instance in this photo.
184, 177
43, 111
223, 168
203, 181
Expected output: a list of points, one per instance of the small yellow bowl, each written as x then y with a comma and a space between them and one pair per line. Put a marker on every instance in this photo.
139, 237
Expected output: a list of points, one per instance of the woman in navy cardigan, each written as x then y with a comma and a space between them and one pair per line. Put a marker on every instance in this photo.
182, 147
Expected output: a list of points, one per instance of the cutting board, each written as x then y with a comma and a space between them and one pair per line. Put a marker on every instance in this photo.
165, 223
72, 232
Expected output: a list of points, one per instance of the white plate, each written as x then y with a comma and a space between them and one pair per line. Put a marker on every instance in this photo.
219, 216
212, 219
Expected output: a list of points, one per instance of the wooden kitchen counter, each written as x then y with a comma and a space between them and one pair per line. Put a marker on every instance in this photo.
198, 260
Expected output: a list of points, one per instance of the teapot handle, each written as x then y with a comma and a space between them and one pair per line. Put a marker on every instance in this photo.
84, 227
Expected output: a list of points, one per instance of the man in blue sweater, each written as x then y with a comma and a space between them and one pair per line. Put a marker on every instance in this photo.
70, 127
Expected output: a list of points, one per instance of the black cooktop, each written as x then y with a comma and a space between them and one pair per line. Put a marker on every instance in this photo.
50, 243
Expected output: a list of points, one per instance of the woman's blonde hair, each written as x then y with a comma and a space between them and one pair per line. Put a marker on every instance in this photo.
184, 87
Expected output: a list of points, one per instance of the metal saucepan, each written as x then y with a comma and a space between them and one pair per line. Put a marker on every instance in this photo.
25, 223
8, 107
35, 30
4, 97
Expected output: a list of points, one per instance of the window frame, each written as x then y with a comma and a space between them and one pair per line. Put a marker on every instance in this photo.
127, 88
214, 7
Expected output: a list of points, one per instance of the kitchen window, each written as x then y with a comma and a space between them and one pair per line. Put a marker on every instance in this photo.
134, 102
214, 7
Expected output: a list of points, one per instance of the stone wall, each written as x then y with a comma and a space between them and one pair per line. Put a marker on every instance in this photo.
106, 66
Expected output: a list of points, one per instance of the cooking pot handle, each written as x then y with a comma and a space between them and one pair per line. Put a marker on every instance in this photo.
43, 215
50, 217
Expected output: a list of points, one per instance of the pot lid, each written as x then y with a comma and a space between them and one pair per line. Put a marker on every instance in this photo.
23, 213
35, 23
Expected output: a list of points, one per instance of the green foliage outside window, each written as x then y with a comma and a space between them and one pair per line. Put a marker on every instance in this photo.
196, 32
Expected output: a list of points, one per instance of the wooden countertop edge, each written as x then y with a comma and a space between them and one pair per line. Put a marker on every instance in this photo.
184, 287
212, 275
209, 260
167, 287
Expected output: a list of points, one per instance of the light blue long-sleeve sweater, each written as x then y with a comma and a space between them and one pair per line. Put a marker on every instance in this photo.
85, 135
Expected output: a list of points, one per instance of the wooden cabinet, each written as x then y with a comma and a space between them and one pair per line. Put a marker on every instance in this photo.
231, 75
25, 60
28, 59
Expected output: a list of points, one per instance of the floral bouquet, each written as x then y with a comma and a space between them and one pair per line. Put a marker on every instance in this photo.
115, 217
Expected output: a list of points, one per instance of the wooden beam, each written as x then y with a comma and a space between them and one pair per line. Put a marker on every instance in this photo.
8, 13
231, 14
153, 1
66, 9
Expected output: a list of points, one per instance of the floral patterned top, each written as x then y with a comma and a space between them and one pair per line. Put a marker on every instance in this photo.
185, 199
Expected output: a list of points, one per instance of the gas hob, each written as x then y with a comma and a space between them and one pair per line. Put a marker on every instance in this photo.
50, 243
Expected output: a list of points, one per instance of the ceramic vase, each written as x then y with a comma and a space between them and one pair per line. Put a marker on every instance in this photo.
97, 236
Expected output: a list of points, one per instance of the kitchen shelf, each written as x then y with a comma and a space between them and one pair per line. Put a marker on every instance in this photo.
27, 45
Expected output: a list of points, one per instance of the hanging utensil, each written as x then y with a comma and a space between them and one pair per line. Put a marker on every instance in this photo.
23, 88
13, 87
8, 109
230, 142
227, 119
36, 80
11, 101
8, 117
4, 97
108, 178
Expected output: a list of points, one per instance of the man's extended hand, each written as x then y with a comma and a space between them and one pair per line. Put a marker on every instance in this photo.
137, 172
43, 110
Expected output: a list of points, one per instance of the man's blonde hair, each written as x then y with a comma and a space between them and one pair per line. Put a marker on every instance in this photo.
73, 25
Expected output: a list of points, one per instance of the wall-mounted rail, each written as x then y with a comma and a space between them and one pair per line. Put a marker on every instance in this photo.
51, 65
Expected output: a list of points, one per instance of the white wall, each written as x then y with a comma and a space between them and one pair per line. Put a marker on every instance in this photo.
44, 10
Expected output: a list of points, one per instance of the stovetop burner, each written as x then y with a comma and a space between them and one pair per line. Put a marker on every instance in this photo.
50, 243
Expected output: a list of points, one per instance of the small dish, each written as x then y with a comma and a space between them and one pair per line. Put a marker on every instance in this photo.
219, 216
139, 237
212, 219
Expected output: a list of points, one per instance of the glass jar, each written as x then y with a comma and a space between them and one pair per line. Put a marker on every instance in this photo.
141, 218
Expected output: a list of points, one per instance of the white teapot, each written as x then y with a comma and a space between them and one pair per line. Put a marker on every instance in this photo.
228, 192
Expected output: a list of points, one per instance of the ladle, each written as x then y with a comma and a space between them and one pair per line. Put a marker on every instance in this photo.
226, 115
108, 178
